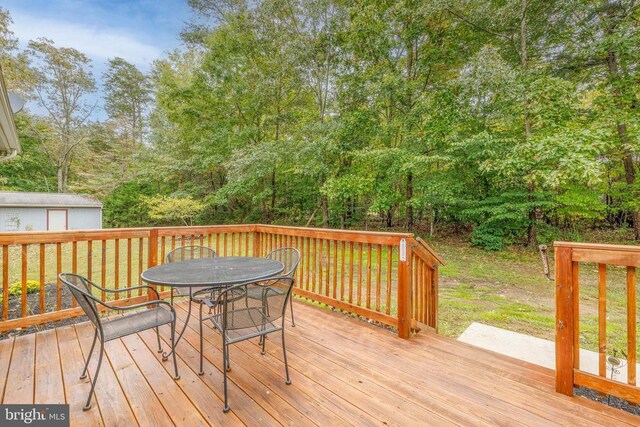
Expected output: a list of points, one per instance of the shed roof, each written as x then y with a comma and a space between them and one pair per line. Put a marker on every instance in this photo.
47, 200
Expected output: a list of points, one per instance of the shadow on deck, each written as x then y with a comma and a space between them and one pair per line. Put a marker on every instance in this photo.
344, 372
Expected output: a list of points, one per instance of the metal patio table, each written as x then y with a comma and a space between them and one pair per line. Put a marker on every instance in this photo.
210, 272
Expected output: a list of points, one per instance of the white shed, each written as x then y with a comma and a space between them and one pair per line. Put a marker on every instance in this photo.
48, 211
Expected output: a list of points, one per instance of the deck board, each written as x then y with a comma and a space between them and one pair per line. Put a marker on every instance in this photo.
113, 402
49, 386
344, 372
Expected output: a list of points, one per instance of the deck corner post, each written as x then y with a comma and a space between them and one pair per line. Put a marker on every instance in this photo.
404, 290
152, 257
564, 321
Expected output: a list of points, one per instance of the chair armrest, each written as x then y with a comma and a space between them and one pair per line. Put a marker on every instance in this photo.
132, 288
139, 305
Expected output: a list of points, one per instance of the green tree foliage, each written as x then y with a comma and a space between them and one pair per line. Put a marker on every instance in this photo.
508, 120
63, 81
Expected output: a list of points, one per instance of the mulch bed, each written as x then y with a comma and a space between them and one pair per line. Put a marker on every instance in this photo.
33, 307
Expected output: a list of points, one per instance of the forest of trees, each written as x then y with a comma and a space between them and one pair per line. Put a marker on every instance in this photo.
506, 119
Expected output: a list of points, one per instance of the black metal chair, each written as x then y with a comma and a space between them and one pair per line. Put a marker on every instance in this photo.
256, 318
184, 253
290, 258
118, 327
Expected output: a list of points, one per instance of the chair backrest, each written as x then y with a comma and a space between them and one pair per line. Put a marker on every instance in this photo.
290, 257
267, 304
80, 288
190, 252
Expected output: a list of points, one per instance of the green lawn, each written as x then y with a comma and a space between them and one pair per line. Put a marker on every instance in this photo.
507, 289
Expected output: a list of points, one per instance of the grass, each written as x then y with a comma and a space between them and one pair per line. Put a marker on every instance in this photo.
507, 289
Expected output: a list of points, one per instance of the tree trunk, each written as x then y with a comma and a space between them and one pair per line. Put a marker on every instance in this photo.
272, 208
409, 212
60, 178
325, 210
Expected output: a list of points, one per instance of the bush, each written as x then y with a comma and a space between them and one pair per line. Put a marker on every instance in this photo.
488, 238
32, 287
16, 288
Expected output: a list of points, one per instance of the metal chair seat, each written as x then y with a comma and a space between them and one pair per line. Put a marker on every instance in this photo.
197, 292
244, 324
136, 322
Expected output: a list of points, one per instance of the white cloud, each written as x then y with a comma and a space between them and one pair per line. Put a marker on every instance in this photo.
98, 43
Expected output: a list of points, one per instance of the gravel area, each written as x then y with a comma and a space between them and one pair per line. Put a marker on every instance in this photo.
608, 400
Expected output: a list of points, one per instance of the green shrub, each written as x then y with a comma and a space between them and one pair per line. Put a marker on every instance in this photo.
16, 288
488, 238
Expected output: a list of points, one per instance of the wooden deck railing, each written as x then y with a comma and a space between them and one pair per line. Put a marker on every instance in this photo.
568, 258
391, 278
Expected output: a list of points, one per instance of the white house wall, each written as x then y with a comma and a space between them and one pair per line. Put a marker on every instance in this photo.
35, 219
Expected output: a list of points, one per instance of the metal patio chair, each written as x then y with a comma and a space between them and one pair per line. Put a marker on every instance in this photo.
184, 253
254, 318
118, 327
290, 258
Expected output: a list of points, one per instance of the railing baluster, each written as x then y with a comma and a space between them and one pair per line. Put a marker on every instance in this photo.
389, 282
342, 245
5, 282
89, 258
103, 266
378, 276
129, 266
116, 267
369, 266
335, 268
575, 279
42, 276
359, 292
140, 260
58, 271
320, 266
351, 257
74, 265
25, 254
602, 320
631, 325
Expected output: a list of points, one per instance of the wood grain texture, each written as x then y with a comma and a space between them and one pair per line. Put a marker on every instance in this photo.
338, 378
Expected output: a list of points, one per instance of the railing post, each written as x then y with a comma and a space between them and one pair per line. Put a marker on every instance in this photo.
564, 321
256, 242
404, 290
434, 296
153, 256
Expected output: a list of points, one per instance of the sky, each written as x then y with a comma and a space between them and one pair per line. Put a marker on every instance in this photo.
139, 31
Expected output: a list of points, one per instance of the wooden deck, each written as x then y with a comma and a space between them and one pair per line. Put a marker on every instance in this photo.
343, 371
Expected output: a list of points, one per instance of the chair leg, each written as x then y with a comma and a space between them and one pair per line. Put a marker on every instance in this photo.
264, 341
94, 380
225, 357
293, 322
201, 372
173, 350
286, 365
86, 363
228, 365
158, 336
